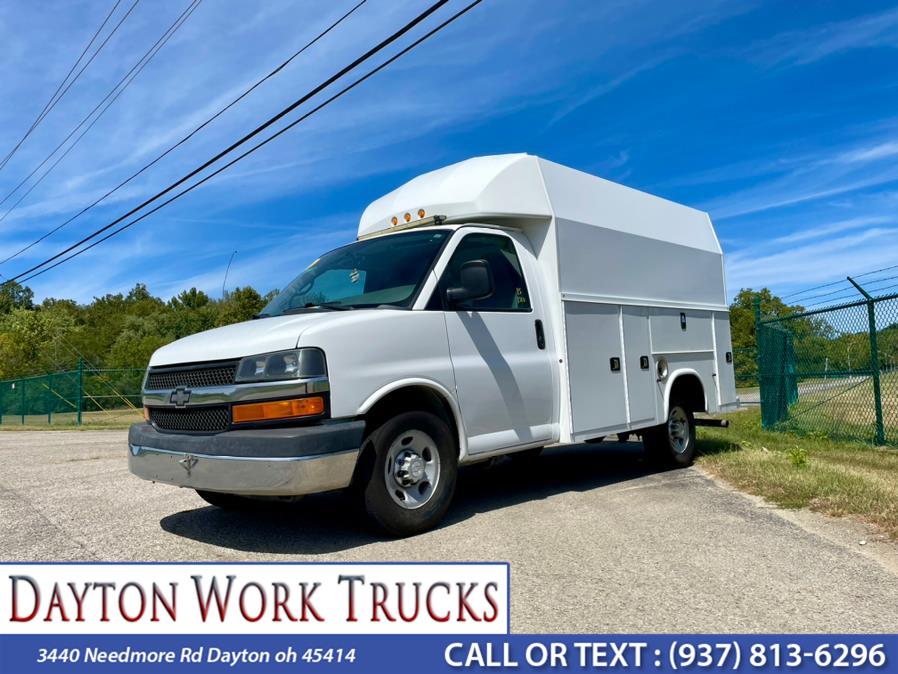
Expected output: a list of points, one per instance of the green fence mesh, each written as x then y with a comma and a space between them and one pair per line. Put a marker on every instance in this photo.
832, 371
82, 396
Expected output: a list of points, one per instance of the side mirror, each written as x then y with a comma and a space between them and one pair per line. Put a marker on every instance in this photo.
475, 283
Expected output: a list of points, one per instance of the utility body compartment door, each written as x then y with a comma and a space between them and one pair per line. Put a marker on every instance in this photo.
598, 400
641, 389
726, 373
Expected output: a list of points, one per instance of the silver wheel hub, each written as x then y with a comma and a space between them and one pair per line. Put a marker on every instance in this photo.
409, 469
678, 429
412, 469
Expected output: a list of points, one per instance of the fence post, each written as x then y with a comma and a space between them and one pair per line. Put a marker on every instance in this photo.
757, 306
874, 363
22, 381
49, 395
80, 387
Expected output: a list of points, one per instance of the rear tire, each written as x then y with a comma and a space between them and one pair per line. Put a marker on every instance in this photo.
408, 486
672, 444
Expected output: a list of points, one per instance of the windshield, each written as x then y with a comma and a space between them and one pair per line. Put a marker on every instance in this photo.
386, 270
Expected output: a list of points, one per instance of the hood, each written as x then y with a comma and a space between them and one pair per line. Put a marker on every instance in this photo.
264, 335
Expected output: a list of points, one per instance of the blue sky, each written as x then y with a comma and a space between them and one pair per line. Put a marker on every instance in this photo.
781, 120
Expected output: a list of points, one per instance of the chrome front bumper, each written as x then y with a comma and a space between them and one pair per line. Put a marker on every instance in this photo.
229, 463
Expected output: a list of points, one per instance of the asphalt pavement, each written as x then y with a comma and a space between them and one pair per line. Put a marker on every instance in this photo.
597, 541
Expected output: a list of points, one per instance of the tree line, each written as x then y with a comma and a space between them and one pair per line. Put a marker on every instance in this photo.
113, 331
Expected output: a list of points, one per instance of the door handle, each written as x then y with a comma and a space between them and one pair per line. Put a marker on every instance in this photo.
540, 335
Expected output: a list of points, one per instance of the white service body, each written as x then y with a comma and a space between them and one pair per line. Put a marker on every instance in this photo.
611, 273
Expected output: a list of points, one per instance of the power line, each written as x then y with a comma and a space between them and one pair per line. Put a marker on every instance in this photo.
47, 105
267, 140
57, 95
367, 55
141, 62
71, 147
190, 135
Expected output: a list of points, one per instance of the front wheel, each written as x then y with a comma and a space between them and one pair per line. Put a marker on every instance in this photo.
673, 443
408, 486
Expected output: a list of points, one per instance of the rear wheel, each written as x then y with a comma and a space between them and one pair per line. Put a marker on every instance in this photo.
407, 487
673, 443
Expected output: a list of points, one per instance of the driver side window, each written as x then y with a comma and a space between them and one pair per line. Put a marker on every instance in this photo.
509, 287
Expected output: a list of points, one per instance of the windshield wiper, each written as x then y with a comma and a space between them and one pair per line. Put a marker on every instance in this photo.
332, 306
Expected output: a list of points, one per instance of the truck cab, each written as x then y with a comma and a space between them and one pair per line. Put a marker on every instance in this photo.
492, 307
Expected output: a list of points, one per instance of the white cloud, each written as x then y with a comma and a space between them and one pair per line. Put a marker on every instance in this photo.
804, 265
810, 177
820, 42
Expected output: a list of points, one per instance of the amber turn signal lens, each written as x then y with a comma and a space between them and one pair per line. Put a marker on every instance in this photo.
277, 409
146, 413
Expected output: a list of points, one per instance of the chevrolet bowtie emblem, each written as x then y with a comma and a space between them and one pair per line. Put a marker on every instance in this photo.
180, 397
188, 462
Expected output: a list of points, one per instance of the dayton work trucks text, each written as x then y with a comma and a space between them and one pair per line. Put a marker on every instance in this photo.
495, 306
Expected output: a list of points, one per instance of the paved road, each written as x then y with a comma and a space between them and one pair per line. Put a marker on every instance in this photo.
807, 388
596, 542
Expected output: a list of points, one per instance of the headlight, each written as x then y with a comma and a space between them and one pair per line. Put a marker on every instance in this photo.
295, 364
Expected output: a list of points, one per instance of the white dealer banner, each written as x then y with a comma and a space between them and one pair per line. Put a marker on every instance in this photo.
254, 598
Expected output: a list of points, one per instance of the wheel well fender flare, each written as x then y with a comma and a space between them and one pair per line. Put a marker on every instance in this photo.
671, 380
444, 393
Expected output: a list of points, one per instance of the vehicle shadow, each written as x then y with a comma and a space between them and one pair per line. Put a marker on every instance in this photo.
327, 523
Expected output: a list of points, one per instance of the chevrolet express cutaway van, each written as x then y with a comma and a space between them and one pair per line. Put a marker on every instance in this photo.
495, 306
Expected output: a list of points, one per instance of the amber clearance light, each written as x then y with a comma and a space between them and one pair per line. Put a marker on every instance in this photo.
277, 409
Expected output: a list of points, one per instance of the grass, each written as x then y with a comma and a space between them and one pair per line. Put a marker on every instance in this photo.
90, 421
846, 408
812, 471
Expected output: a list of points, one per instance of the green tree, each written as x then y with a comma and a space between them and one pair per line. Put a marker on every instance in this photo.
117, 330
241, 305
15, 296
29, 341
742, 328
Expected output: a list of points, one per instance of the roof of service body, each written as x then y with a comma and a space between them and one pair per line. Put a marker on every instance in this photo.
525, 186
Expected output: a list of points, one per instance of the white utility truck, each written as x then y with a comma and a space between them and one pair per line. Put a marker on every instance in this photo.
498, 305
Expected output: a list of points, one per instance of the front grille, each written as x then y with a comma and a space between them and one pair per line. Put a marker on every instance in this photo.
211, 419
196, 377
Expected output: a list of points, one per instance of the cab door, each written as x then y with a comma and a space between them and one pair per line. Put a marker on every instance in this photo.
497, 346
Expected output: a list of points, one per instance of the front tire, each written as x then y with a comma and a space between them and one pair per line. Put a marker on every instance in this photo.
672, 444
409, 485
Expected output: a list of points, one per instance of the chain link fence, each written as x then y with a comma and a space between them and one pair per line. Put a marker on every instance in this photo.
75, 397
832, 371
